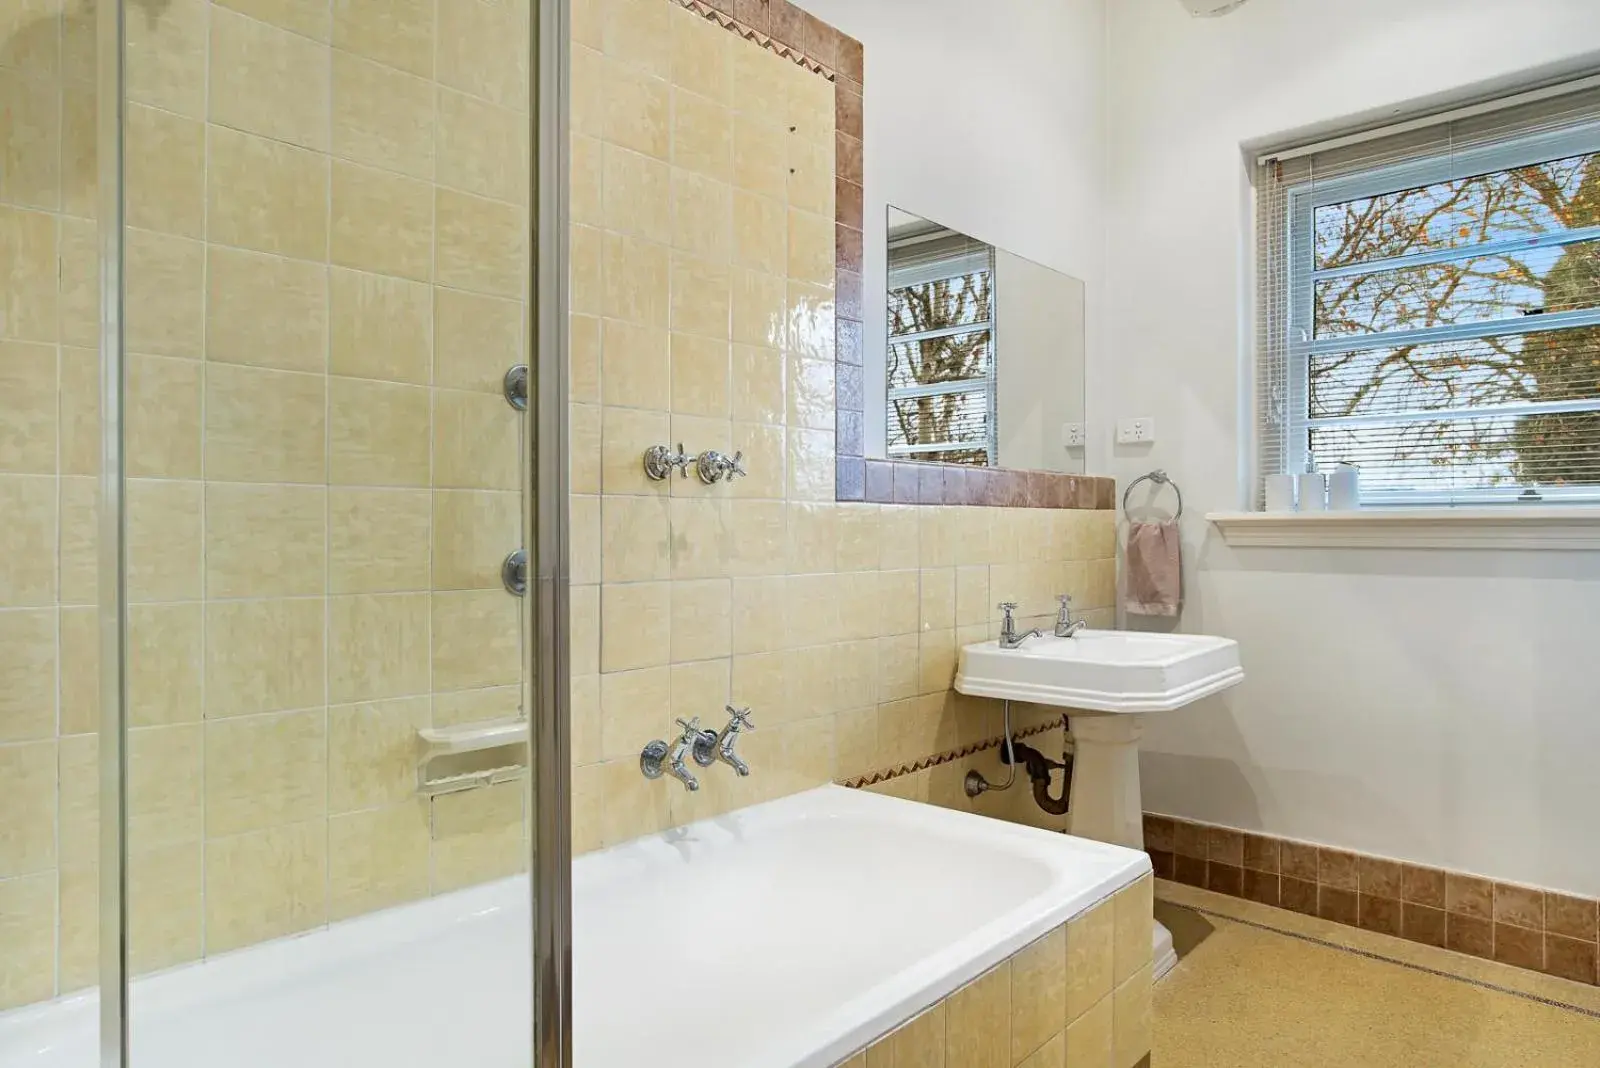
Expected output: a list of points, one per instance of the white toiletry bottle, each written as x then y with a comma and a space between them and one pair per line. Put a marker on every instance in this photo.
1313, 490
1344, 488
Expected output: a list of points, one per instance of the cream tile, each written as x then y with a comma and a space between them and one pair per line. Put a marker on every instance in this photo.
635, 369
584, 532
917, 1044
30, 141
27, 939
28, 265
637, 33
478, 836
585, 618
1090, 960
1038, 994
398, 33
636, 108
702, 136
813, 613
164, 914
900, 602
586, 438
264, 426
636, 625
381, 327
381, 222
382, 117
701, 689
165, 62
262, 656
377, 433
1132, 909
637, 194
859, 604
377, 859
634, 708
164, 166
1053, 1054
265, 541
473, 532
587, 253
28, 408
701, 55
938, 586
760, 86
811, 465
585, 720
701, 297
760, 241
165, 663
165, 294
477, 706
588, 91
758, 624
267, 81
477, 639
263, 771
266, 196
625, 433
378, 540
377, 646
483, 148
1132, 1020
813, 538
701, 615
165, 779
1090, 1036
760, 155
27, 540
978, 1021
756, 384
634, 806
28, 837
483, 49
810, 315
372, 755
810, 390
162, 402
476, 339
811, 177
758, 309
757, 538
79, 424
164, 546
637, 277
700, 535
265, 885
700, 369
482, 245
306, 17
79, 656
476, 442
973, 605
587, 170
764, 448
811, 251
27, 675
266, 311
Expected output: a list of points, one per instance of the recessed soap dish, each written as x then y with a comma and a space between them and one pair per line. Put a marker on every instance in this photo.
450, 759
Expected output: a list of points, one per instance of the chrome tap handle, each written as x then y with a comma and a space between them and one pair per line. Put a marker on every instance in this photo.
659, 462
1066, 626
741, 720
732, 469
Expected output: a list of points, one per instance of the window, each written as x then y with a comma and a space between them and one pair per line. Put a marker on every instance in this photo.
941, 385
1431, 308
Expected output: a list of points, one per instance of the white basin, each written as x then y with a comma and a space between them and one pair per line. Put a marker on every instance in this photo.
1113, 671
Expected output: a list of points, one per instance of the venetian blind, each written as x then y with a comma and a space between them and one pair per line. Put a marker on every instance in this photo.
1429, 306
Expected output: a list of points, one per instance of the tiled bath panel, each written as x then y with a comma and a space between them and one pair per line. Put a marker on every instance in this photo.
326, 262
1525, 926
710, 204
1077, 998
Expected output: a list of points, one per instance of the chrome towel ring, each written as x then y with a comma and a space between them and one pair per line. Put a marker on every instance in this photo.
1160, 478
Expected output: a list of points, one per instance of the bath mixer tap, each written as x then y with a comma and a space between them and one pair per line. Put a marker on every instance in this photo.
1009, 638
1066, 626
737, 724
660, 462
714, 467
692, 741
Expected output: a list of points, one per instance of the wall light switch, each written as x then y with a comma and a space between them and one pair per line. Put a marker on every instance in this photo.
1073, 435
1139, 430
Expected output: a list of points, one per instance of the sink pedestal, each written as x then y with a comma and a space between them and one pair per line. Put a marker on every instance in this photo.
1105, 802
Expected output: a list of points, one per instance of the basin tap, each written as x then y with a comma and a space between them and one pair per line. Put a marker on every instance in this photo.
658, 757
1009, 638
737, 724
1066, 626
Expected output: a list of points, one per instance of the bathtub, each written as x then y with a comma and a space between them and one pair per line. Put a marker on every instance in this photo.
787, 935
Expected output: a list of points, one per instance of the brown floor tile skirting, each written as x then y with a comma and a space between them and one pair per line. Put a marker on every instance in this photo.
1540, 930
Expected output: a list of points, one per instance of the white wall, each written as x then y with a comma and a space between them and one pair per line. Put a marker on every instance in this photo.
1039, 341
990, 122
1442, 707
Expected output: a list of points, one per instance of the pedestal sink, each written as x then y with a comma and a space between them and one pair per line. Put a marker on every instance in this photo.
1105, 680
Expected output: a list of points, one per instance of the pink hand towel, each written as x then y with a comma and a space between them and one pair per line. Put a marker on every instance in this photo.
1154, 569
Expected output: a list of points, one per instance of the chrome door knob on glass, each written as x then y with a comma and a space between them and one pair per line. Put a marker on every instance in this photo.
1009, 638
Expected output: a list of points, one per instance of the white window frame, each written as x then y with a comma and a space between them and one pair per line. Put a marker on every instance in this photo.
1305, 198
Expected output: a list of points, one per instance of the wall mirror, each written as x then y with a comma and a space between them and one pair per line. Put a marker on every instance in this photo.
983, 360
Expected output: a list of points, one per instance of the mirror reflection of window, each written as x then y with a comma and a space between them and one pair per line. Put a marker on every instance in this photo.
941, 345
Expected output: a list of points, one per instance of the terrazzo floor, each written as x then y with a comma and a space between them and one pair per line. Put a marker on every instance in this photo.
1257, 987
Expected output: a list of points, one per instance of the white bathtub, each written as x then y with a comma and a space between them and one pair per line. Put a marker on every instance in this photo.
787, 935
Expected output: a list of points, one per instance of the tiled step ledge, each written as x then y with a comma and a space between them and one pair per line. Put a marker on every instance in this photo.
1539, 930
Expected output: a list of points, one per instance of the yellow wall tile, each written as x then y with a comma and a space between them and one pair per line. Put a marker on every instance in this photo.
398, 33
702, 136
79, 156
478, 835
634, 708
27, 540
164, 546
27, 675
372, 755
701, 614
811, 465
308, 17
80, 412
631, 807
382, 117
381, 327
701, 55
757, 538
164, 663
265, 426
28, 269
636, 108
757, 391
1038, 994
472, 533
266, 196
483, 49
481, 245
27, 408
263, 656
268, 81
381, 222
165, 62
30, 141
165, 294
636, 194
978, 1021
811, 180
760, 156
636, 534
79, 540
476, 639
760, 238
262, 771
266, 311
377, 646
162, 406
636, 280
377, 433
27, 939
624, 435
586, 443
377, 858
810, 315
637, 625
476, 441
476, 339
476, 706
164, 171
1090, 1036
700, 533
378, 540
1131, 1020
27, 838
635, 366
265, 885
79, 653
811, 257
265, 541
483, 148
1132, 910
1090, 961
760, 85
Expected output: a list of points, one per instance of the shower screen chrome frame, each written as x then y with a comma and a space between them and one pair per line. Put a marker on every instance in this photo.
547, 671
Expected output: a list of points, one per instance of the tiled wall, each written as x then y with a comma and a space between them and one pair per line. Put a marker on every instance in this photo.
1525, 926
326, 269
1077, 998
703, 294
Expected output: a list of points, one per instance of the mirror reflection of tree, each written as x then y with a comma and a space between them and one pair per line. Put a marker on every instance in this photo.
960, 356
1552, 449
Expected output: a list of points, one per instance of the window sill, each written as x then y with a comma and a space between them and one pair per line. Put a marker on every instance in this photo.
1570, 527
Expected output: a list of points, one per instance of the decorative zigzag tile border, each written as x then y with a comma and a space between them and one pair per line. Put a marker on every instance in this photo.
872, 778
728, 22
